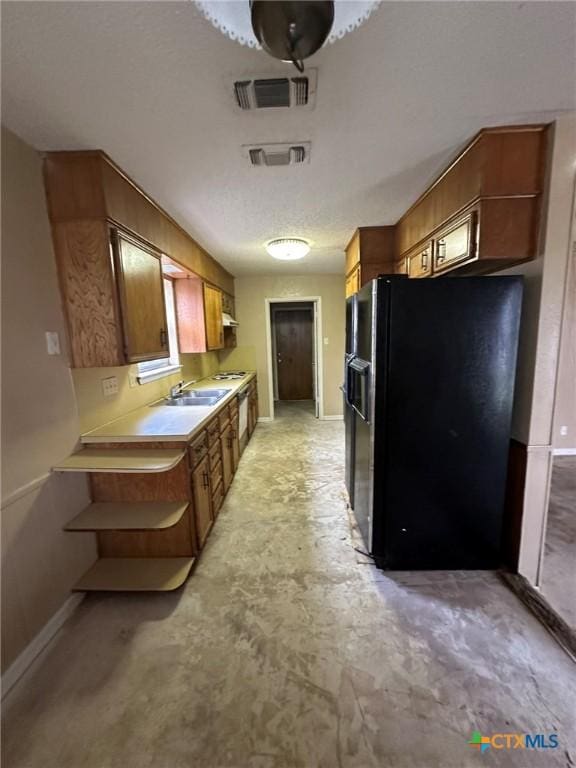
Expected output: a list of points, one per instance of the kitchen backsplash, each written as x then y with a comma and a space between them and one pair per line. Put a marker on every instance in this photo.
94, 409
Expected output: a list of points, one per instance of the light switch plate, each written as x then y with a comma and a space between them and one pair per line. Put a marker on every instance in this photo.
110, 386
52, 343
325, 341
563, 430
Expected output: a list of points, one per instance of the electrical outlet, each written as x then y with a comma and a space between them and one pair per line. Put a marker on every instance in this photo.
132, 378
52, 343
564, 430
110, 386
325, 341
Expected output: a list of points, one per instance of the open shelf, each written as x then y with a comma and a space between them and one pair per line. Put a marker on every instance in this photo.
128, 516
120, 460
136, 574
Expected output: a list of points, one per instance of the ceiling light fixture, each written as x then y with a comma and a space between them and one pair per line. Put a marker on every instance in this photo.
288, 248
290, 31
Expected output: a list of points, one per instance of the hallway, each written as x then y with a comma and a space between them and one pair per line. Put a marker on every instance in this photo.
283, 651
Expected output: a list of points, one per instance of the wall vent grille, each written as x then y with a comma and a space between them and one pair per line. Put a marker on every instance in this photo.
276, 92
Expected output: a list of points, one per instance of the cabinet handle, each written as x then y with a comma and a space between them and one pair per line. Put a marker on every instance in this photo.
205, 480
424, 260
441, 253
163, 338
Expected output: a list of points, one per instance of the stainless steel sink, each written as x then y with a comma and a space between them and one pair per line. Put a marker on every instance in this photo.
198, 397
217, 393
186, 401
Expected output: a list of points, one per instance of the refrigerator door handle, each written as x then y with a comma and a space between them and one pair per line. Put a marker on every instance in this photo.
349, 384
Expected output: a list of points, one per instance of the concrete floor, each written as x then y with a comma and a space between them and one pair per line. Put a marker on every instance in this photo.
559, 571
282, 651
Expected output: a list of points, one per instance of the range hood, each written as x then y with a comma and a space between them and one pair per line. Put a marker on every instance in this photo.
228, 321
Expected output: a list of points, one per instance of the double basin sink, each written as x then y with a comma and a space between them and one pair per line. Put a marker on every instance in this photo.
198, 397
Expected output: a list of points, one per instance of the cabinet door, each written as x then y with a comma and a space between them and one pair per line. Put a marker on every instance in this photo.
420, 261
213, 315
202, 504
190, 319
455, 243
235, 447
353, 282
141, 291
227, 471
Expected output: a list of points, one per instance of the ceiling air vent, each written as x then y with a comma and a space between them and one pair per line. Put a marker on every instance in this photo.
275, 92
278, 154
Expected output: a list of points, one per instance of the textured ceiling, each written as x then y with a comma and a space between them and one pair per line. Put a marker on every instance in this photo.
151, 84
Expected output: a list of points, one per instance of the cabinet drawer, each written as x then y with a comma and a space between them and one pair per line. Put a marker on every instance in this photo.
455, 243
233, 411
198, 449
215, 454
223, 419
213, 432
216, 474
217, 497
420, 261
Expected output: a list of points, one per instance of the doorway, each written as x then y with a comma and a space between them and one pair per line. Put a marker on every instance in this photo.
293, 331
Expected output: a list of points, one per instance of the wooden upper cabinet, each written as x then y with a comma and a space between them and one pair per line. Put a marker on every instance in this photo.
141, 291
213, 317
190, 320
369, 253
419, 261
112, 296
483, 212
198, 316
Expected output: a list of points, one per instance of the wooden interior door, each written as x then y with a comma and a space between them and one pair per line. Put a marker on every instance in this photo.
294, 351
213, 315
141, 290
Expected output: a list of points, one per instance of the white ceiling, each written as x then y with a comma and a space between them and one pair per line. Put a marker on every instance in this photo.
151, 84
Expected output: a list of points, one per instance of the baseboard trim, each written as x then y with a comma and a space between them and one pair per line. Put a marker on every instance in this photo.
332, 418
264, 418
22, 663
535, 601
24, 490
564, 452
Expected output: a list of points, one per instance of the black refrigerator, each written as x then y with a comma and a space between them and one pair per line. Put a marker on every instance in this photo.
431, 383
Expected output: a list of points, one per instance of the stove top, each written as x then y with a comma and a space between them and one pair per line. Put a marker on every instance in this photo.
229, 375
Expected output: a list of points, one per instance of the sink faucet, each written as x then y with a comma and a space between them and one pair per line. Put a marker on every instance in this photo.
176, 389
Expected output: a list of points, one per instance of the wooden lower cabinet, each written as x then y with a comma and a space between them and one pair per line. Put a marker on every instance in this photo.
227, 460
202, 500
151, 526
235, 445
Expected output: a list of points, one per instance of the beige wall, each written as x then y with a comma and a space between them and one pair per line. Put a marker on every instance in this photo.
545, 282
39, 420
95, 409
565, 407
251, 293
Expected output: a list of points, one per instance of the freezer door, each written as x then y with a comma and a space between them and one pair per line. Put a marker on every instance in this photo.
362, 396
350, 349
446, 426
349, 426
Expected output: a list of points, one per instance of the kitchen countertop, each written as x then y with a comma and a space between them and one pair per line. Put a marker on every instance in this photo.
166, 423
